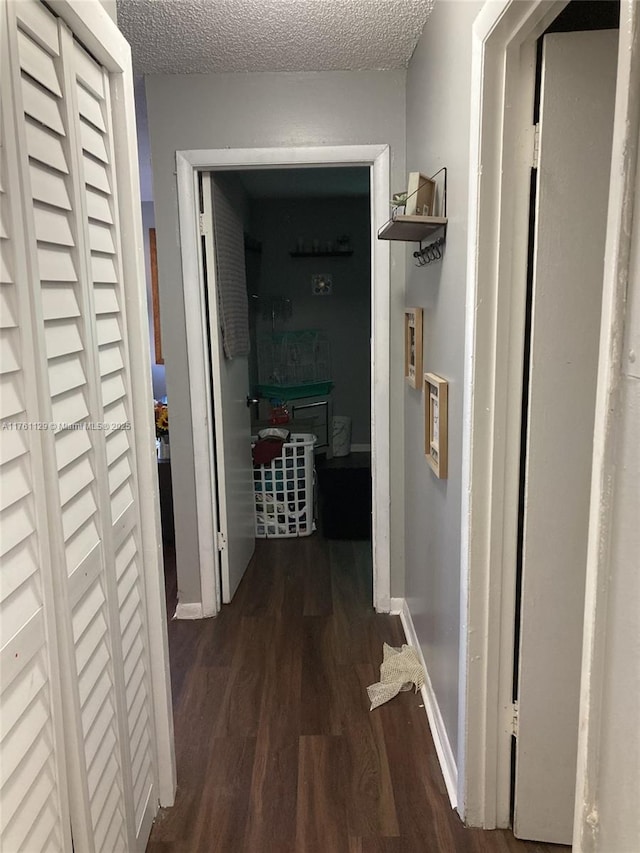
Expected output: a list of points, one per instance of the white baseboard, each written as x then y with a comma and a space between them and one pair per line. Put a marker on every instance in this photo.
396, 606
436, 723
361, 448
189, 611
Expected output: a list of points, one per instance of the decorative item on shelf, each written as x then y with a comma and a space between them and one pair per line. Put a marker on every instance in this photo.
398, 200
421, 193
413, 346
162, 429
436, 415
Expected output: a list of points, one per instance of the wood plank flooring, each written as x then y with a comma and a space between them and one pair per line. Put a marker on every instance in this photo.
276, 749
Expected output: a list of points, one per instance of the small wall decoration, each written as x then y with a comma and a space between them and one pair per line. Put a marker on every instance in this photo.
421, 193
413, 346
321, 284
436, 392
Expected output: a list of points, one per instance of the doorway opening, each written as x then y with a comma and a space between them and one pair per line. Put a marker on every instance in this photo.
369, 165
286, 257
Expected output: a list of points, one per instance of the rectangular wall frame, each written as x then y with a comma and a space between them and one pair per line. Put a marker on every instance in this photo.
413, 346
436, 393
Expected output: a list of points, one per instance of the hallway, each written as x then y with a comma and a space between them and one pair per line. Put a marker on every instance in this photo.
277, 751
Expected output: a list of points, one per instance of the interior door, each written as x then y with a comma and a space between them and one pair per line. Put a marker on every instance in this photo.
576, 125
223, 256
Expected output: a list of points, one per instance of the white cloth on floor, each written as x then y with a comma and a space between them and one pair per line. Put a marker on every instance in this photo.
400, 669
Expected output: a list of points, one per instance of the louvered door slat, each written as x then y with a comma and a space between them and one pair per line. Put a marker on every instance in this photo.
38, 63
4, 223
41, 105
23, 596
98, 207
56, 263
60, 302
49, 186
71, 446
45, 147
96, 175
9, 357
40, 26
93, 141
90, 108
53, 226
17, 486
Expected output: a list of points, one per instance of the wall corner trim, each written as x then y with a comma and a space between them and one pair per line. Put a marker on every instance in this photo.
441, 741
189, 610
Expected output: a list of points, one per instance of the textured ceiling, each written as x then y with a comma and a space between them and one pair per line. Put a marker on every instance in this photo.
200, 36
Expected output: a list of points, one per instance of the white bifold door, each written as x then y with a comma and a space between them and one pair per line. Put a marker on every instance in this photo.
78, 744
576, 129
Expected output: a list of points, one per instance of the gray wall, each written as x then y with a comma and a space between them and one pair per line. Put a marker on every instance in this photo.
263, 110
438, 92
345, 315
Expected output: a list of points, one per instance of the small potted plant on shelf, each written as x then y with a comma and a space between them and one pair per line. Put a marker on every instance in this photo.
162, 429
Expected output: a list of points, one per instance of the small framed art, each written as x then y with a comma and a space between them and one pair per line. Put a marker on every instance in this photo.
436, 417
413, 346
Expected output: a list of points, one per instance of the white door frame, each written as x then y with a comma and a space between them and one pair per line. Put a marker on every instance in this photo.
503, 67
99, 34
188, 164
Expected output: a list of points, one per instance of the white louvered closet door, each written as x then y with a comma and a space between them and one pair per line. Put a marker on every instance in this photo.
88, 480
33, 780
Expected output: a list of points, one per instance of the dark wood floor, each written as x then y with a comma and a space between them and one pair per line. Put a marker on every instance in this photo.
277, 751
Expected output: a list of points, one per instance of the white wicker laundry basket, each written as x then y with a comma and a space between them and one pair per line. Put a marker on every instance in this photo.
284, 490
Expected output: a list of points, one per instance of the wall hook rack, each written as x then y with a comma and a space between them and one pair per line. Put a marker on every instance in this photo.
431, 252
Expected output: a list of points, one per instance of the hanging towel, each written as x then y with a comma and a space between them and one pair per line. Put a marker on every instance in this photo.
400, 670
231, 279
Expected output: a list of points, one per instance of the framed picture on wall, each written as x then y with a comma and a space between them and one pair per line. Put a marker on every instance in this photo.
155, 299
436, 418
413, 346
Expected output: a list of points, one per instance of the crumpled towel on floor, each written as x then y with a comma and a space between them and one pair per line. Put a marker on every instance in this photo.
400, 669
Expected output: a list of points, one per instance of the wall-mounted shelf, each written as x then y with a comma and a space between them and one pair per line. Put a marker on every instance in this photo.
411, 229
346, 254
429, 231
